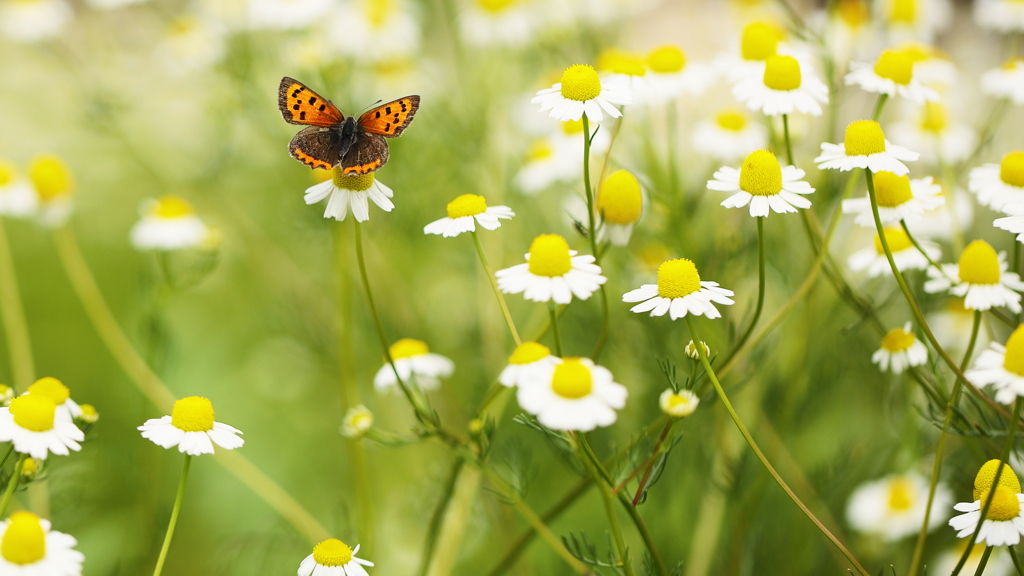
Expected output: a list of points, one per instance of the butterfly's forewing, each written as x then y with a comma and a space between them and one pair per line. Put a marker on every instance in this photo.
392, 118
368, 155
316, 147
300, 105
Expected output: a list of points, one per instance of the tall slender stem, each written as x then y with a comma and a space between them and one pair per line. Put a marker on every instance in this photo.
984, 561
174, 518
554, 328
591, 227
590, 459
647, 467
497, 293
12, 483
760, 285
785, 137
1016, 560
878, 107
7, 454
18, 339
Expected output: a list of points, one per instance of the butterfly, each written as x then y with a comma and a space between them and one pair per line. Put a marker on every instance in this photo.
330, 138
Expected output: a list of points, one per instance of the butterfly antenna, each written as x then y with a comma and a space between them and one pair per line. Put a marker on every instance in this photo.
370, 106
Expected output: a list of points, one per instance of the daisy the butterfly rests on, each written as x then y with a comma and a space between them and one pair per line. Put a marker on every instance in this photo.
330, 138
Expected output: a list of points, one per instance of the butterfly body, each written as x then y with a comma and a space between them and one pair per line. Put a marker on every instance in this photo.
329, 138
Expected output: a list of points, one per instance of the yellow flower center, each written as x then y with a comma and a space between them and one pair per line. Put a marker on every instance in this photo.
1014, 359
918, 52
731, 120
580, 83
51, 177
89, 413
29, 468
677, 399
901, 494
24, 540
52, 389
903, 11
621, 62
934, 119
572, 379
896, 66
678, 278
361, 420
1013, 63
891, 190
34, 412
353, 182
192, 414
378, 12
407, 348
8, 172
332, 552
896, 238
979, 264
541, 149
620, 201
863, 138
1004, 507
170, 207
666, 59
549, 256
898, 340
571, 127
1011, 169
528, 353
496, 6
467, 205
759, 41
987, 473
782, 73
761, 174
853, 12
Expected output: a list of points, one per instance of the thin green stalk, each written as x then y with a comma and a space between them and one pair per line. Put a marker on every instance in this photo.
438, 515
984, 561
785, 137
590, 460
11, 485
554, 328
592, 234
497, 293
646, 467
760, 284
10, 450
174, 518
1016, 560
18, 339
878, 107
906, 230
760, 455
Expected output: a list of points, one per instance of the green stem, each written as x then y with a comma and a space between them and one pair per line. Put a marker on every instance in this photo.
554, 328
15, 326
497, 293
647, 467
760, 284
1016, 560
760, 455
603, 335
984, 561
11, 485
906, 230
433, 528
587, 456
878, 107
10, 450
174, 518
592, 235
785, 136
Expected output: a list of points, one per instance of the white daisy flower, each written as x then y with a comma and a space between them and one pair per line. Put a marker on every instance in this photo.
620, 204
900, 349
729, 136
670, 75
763, 184
1007, 81
936, 136
1002, 367
580, 92
333, 558
998, 185
574, 394
36, 427
1004, 523
678, 404
17, 199
904, 253
168, 223
931, 66
914, 19
527, 364
56, 390
898, 198
497, 22
34, 20
357, 422
372, 31
191, 43
864, 146
893, 507
624, 68
557, 157
1000, 15
191, 428
758, 42
355, 190
55, 189
552, 272
414, 363
679, 292
892, 74
784, 88
465, 212
1014, 222
951, 324
999, 561
286, 14
981, 277
28, 547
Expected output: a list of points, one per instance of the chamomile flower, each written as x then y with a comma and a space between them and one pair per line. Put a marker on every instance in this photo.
1002, 367
1000, 15
670, 75
557, 157
980, 277
729, 136
1004, 523
168, 223
497, 22
581, 92
54, 187
758, 42
898, 198
624, 68
31, 21
620, 203
864, 146
552, 272
693, 353
373, 31
528, 362
191, 428
574, 394
17, 199
56, 390
764, 184
1014, 222
918, 19
999, 562
679, 292
415, 363
35, 426
904, 253
936, 136
355, 190
931, 67
357, 421
999, 185
900, 349
784, 88
678, 404
1007, 81
28, 547
892, 74
333, 557
285, 14
893, 507
465, 212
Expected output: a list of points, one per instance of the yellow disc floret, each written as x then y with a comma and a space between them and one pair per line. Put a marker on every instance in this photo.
901, 494
621, 62
782, 73
896, 66
541, 149
678, 278
24, 540
987, 473
731, 119
572, 126
891, 190
572, 379
896, 238
549, 256
759, 41
467, 205
51, 388
378, 12
898, 340
620, 201
89, 414
169, 207
1011, 169
8, 173
863, 138
979, 264
666, 59
1004, 507
34, 412
332, 552
353, 182
496, 6
580, 83
903, 11
407, 348
761, 174
1013, 361
853, 12
528, 353
193, 414
51, 177
934, 119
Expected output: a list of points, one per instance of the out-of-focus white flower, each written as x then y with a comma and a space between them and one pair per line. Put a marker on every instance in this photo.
286, 14
678, 404
893, 507
552, 272
357, 421
935, 136
1002, 367
1002, 15
416, 364
914, 19
498, 22
906, 256
892, 74
34, 20
670, 75
55, 189
191, 43
17, 199
1007, 81
999, 562
898, 198
999, 185
900, 350
729, 136
527, 364
28, 547
785, 87
169, 223
558, 157
620, 203
369, 31
574, 394
1014, 222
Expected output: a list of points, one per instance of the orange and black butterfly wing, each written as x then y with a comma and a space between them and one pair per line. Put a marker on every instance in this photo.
390, 119
368, 155
316, 147
300, 105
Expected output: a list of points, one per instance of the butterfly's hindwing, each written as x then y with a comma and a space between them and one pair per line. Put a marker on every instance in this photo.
390, 119
368, 155
316, 147
300, 105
